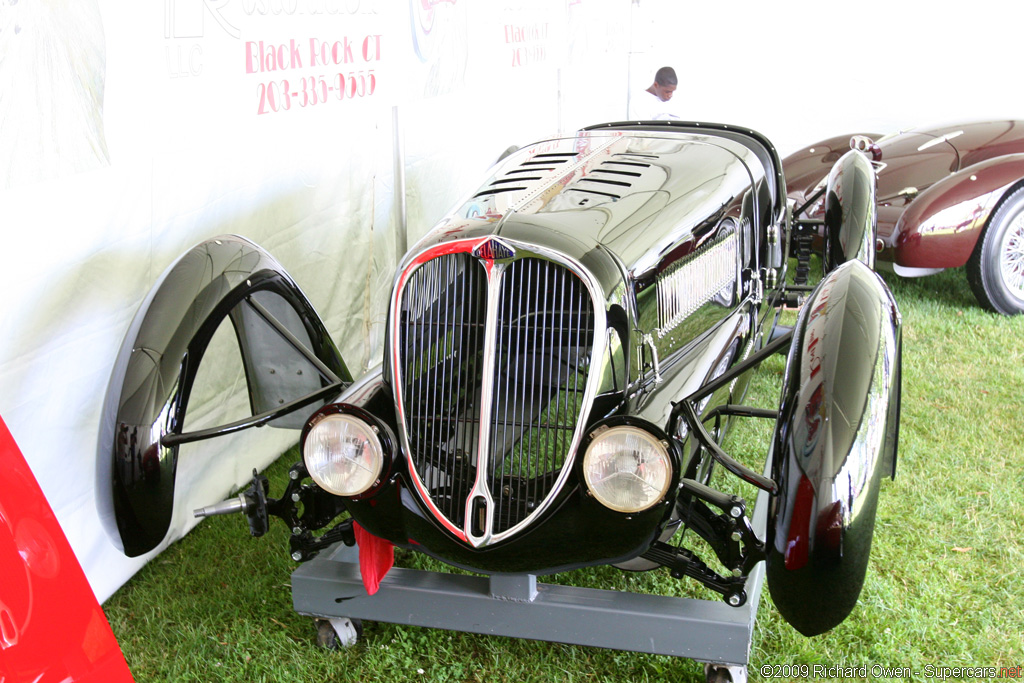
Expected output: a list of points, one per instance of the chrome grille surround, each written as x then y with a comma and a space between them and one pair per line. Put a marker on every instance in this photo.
448, 384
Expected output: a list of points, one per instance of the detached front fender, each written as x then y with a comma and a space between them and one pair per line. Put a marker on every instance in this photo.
835, 439
850, 212
157, 363
942, 225
805, 168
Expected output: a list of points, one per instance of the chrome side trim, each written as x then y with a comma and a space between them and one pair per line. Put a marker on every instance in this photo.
689, 284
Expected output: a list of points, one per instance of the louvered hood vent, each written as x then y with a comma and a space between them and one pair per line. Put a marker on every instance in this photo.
491, 349
528, 175
612, 179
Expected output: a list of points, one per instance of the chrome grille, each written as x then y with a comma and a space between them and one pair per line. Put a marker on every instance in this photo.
544, 334
542, 331
441, 351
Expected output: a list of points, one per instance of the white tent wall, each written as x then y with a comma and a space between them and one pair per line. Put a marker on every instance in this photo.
800, 71
133, 131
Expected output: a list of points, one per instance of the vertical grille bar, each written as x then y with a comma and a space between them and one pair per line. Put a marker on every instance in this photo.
461, 393
527, 380
445, 464
503, 342
550, 331
433, 363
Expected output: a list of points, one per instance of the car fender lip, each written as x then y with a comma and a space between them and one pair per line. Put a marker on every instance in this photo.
850, 218
835, 440
941, 227
152, 378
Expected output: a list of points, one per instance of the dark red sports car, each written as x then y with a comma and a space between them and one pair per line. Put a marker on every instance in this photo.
948, 197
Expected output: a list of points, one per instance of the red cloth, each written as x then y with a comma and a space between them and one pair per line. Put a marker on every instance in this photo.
376, 557
51, 627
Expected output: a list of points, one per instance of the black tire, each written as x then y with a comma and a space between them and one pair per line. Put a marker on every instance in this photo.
717, 675
995, 270
720, 673
327, 638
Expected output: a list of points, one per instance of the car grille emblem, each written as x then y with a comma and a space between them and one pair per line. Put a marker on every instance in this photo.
493, 249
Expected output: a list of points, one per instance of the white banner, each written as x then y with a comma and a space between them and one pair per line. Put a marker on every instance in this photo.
132, 131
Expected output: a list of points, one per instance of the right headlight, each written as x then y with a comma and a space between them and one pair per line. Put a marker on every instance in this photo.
627, 469
343, 454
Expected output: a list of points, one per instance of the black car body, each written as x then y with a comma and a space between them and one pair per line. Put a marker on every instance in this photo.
564, 354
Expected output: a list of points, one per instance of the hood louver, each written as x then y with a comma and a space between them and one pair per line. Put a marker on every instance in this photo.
529, 175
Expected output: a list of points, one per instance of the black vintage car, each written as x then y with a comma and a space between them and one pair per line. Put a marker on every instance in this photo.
564, 354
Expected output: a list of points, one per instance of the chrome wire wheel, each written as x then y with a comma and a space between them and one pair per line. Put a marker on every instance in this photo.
1011, 256
995, 269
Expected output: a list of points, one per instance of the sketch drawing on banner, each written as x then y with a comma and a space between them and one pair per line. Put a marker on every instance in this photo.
577, 43
184, 27
52, 76
440, 38
594, 29
186, 18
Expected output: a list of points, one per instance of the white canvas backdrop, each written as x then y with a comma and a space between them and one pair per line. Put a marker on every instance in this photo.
131, 131
800, 71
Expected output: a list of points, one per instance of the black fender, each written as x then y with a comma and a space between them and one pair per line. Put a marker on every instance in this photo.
851, 220
805, 168
149, 389
835, 439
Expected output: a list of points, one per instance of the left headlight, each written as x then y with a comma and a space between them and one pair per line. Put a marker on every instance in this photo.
627, 469
343, 454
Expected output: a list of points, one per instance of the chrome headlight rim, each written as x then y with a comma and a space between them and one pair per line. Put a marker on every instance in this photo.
384, 438
666, 445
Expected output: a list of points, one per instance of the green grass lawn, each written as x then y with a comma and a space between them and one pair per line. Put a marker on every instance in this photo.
943, 588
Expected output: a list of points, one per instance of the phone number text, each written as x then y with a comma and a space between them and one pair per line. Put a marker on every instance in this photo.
307, 91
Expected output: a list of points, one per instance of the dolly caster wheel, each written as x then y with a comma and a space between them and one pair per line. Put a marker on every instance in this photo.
722, 673
338, 633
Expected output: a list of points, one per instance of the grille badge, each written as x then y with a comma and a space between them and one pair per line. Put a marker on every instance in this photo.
493, 249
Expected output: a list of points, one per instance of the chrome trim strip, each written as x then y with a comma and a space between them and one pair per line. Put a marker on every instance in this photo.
495, 271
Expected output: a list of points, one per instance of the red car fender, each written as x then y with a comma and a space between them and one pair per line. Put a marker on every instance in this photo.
942, 225
51, 627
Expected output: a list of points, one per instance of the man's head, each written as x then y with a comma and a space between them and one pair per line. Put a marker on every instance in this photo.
665, 83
